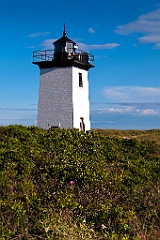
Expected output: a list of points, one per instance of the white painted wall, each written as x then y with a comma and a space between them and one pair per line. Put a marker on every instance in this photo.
81, 106
61, 101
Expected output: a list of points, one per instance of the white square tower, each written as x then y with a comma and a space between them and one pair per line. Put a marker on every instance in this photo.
64, 87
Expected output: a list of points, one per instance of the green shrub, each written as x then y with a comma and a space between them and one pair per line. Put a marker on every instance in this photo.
65, 184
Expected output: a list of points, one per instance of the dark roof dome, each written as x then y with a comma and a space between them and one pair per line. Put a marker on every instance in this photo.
64, 38
65, 53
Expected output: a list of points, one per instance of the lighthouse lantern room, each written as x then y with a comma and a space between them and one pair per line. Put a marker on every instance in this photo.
64, 86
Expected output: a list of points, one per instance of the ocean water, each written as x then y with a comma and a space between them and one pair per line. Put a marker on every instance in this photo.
125, 121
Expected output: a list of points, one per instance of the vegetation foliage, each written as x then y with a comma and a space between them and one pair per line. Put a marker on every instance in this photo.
66, 184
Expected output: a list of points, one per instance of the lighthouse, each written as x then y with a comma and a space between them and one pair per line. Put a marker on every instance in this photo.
64, 87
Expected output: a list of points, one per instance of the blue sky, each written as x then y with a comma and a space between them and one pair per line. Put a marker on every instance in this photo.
124, 37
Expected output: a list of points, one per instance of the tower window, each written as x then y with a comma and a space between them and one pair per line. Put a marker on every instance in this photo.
80, 80
69, 47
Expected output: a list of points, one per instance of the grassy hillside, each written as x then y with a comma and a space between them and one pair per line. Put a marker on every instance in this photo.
63, 184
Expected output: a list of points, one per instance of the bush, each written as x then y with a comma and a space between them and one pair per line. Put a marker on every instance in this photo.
65, 184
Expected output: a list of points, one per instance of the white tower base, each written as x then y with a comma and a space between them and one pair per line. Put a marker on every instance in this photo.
63, 98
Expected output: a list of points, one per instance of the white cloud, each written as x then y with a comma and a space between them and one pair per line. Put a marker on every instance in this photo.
38, 34
157, 45
150, 39
114, 110
149, 112
91, 30
48, 43
132, 110
132, 94
131, 100
87, 47
148, 25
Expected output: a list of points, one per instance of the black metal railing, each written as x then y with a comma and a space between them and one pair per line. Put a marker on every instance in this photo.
50, 55
44, 55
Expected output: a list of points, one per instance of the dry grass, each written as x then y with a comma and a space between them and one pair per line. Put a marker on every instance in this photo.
143, 135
